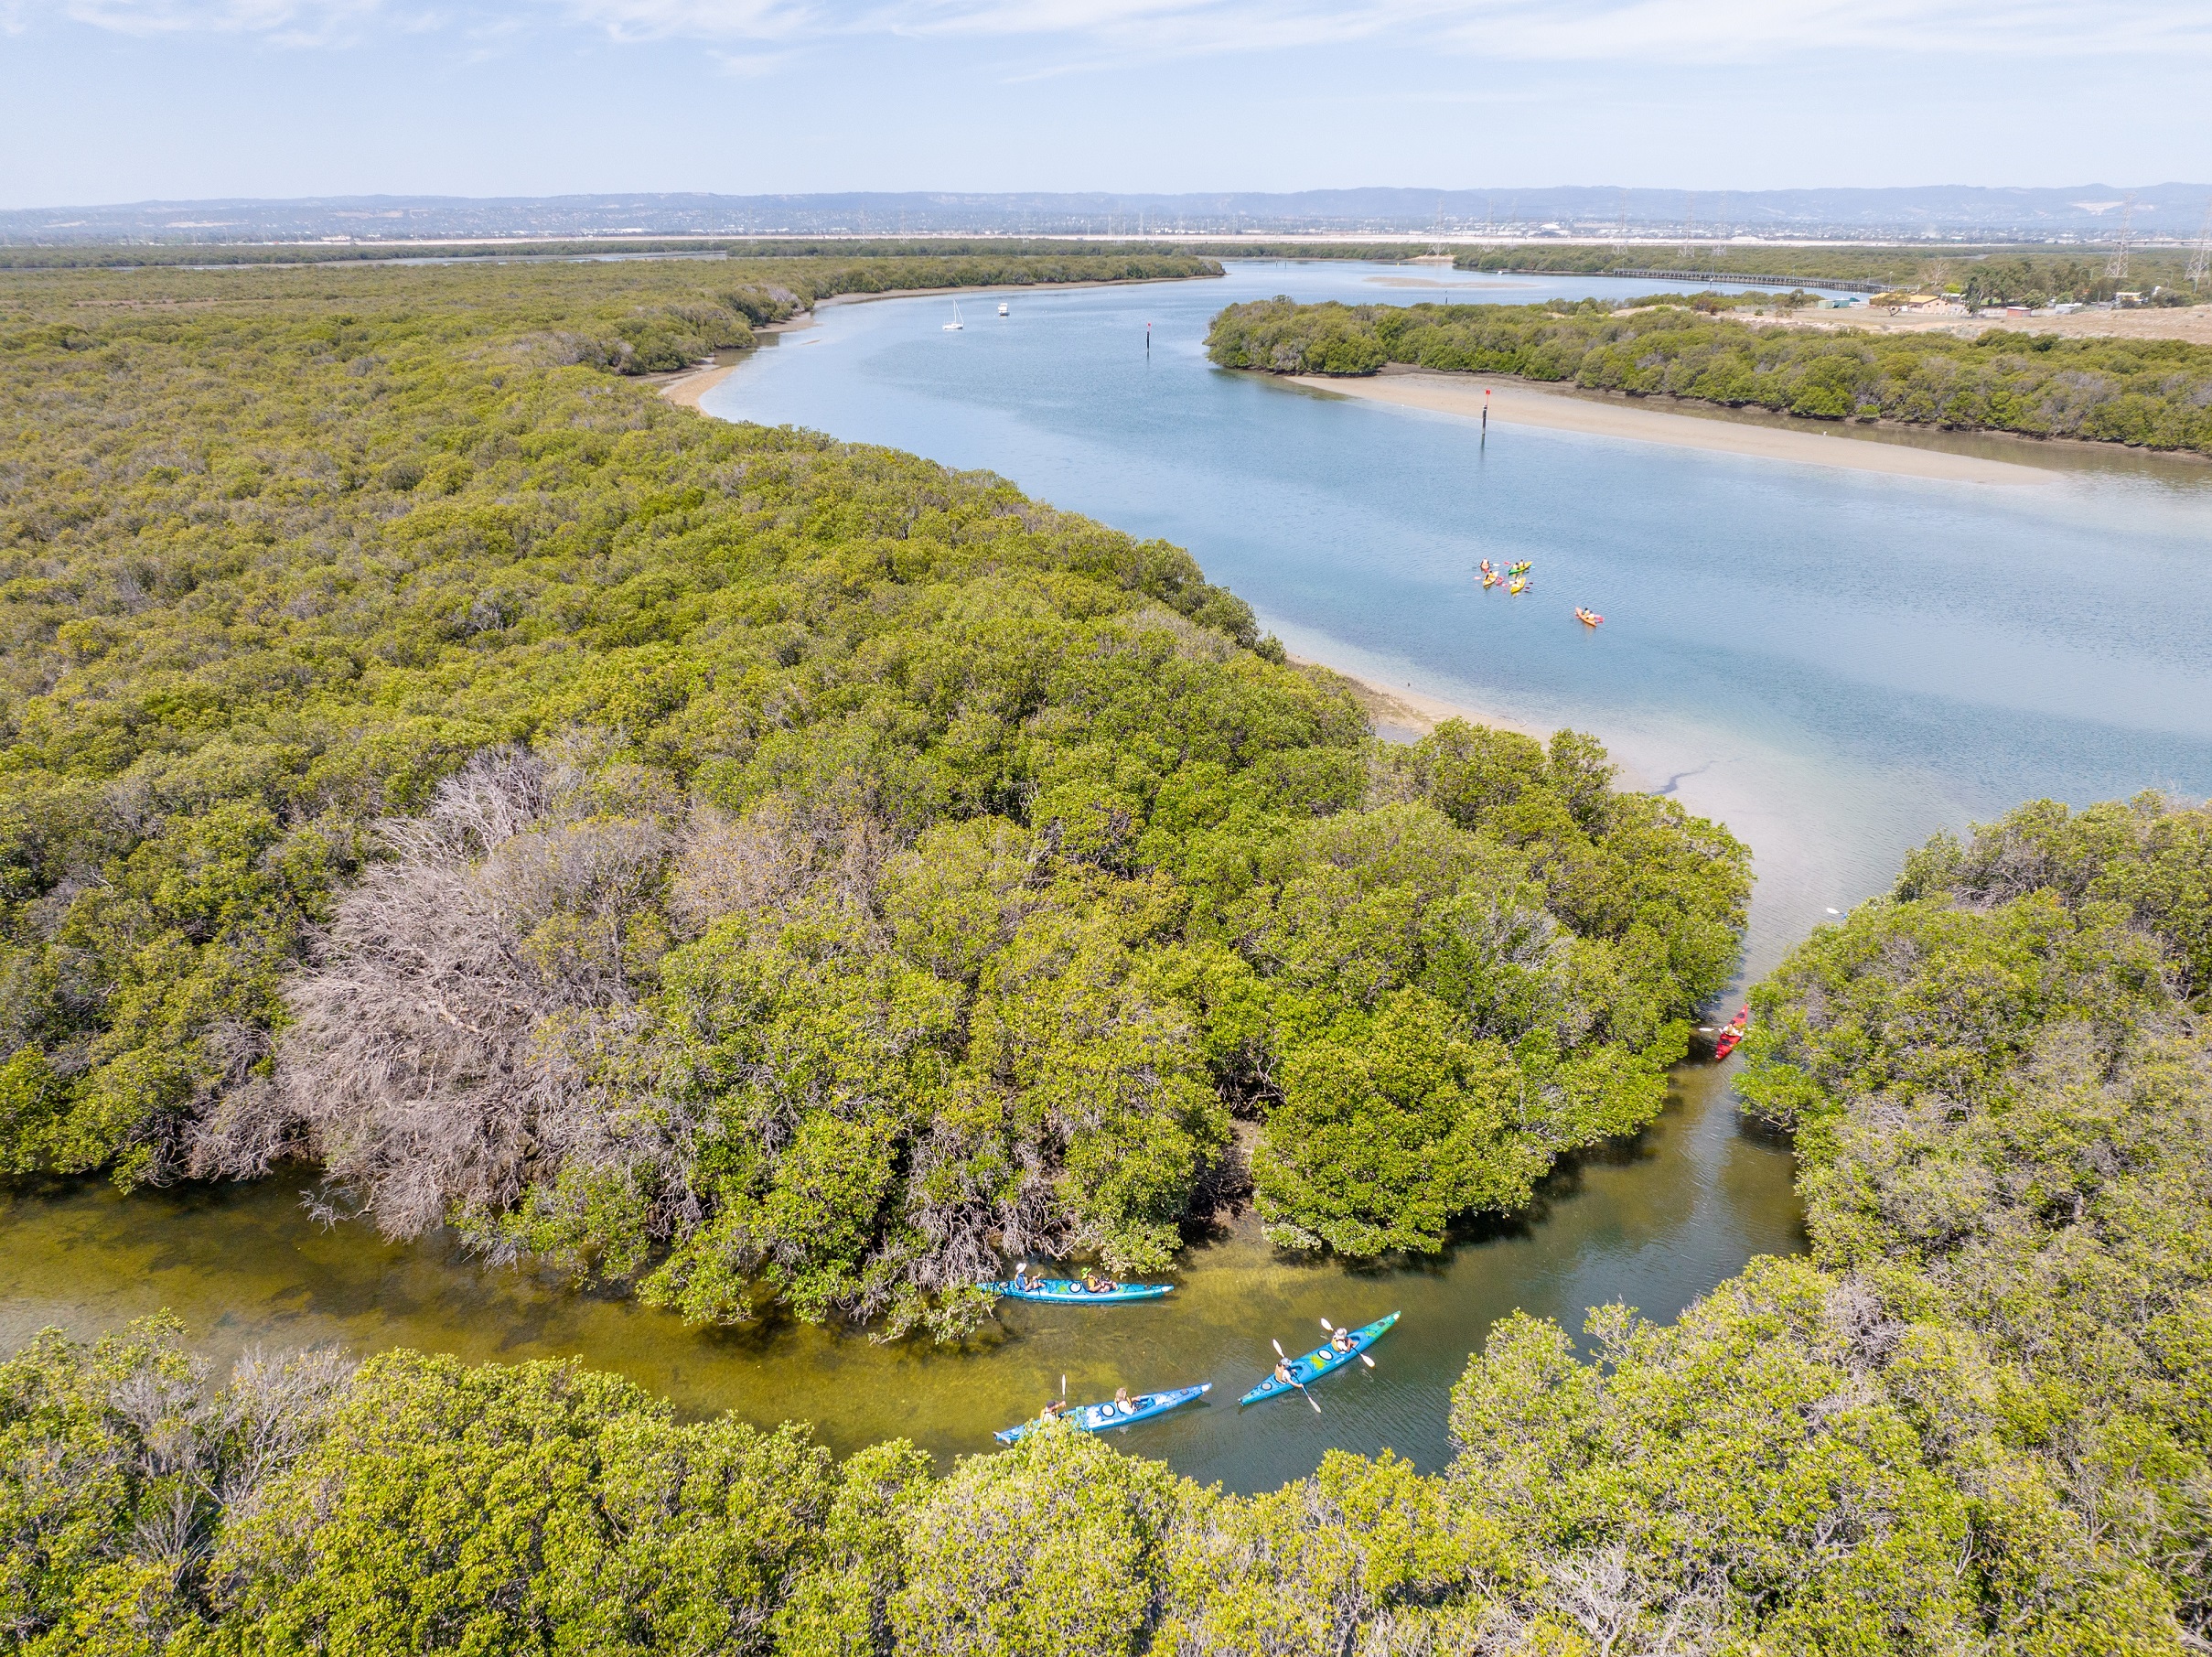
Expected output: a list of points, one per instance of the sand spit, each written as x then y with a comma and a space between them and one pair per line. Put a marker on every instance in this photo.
1516, 403
1403, 712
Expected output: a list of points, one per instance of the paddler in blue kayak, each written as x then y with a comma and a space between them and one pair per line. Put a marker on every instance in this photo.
1282, 1373
1342, 1339
1096, 1286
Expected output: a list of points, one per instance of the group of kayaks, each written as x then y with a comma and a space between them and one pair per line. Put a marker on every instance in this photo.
1514, 578
1289, 1376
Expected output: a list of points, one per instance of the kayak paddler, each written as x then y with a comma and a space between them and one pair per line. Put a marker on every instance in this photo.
1282, 1373
1121, 1402
1095, 1285
1341, 1340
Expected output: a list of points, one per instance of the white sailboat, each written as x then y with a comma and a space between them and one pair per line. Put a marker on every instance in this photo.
955, 325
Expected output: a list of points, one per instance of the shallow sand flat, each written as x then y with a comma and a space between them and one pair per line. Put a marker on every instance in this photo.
1403, 711
686, 391
1519, 404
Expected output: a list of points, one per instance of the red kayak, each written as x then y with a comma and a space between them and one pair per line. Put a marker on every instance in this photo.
1731, 1033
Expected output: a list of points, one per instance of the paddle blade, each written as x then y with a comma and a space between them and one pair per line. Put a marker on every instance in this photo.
1311, 1400
1063, 1386
1278, 1346
1365, 1360
1329, 1325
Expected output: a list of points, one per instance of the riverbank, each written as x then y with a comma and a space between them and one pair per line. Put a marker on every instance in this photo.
1402, 712
685, 390
1524, 402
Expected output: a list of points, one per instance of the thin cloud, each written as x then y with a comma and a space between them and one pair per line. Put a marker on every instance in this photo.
697, 20
1070, 34
751, 66
1745, 30
287, 21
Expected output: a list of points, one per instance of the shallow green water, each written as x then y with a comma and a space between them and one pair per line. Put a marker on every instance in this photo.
1656, 1223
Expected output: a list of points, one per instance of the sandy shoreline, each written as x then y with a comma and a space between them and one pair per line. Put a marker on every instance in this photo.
1516, 403
1400, 710
685, 390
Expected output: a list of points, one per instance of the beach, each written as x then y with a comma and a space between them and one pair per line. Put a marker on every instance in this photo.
685, 390
1403, 713
1517, 402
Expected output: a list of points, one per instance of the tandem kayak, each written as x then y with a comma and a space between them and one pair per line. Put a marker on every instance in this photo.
1067, 1288
1320, 1362
1098, 1417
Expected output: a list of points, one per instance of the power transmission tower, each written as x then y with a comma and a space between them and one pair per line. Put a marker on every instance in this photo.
1620, 237
2201, 255
2117, 269
1689, 233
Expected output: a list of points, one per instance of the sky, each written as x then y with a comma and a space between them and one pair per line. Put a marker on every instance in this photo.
112, 100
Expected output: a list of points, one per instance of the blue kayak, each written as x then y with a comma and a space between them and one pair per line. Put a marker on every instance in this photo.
1100, 1417
1320, 1362
1065, 1288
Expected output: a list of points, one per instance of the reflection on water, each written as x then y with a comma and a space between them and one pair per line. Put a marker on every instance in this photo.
1833, 662
1656, 1223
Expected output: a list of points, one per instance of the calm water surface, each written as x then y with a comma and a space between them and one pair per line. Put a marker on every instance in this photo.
1835, 663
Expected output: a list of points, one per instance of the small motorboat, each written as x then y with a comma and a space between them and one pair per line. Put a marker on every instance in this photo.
1101, 1417
1002, 309
1318, 1362
1731, 1033
1588, 618
1069, 1289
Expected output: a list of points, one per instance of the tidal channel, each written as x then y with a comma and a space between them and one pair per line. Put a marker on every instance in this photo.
1835, 663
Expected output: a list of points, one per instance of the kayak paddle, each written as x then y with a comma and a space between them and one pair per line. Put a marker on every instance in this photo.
1363, 1357
1294, 1381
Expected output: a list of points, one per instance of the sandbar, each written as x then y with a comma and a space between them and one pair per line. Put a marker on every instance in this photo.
1516, 403
686, 390
1400, 710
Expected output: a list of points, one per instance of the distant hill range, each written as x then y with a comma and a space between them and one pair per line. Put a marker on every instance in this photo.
2087, 211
